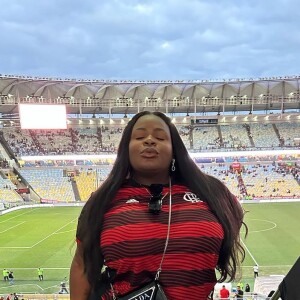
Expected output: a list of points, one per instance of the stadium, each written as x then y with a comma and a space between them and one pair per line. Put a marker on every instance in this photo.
59, 139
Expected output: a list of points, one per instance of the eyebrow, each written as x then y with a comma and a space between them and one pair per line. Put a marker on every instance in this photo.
155, 129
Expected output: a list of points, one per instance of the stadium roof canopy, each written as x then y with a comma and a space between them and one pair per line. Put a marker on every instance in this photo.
126, 97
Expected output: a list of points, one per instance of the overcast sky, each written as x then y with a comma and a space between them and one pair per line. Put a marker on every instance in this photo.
151, 39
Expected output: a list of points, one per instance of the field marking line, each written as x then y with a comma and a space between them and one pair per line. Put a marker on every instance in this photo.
273, 266
51, 287
262, 230
66, 231
249, 252
26, 212
12, 227
29, 247
52, 233
25, 284
15, 247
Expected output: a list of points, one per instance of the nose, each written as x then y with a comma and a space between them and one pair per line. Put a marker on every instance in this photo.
149, 141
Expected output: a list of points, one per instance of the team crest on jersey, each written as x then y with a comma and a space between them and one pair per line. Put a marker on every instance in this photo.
191, 197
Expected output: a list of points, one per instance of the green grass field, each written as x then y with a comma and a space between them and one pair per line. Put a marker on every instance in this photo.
44, 237
37, 237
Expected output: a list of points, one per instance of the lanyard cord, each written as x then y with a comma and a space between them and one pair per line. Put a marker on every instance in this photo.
168, 232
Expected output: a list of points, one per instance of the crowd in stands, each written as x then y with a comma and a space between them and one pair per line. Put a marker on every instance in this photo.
4, 163
294, 170
58, 187
105, 139
259, 132
254, 181
7, 191
270, 180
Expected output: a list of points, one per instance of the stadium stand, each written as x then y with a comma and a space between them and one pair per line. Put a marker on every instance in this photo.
223, 173
260, 132
269, 181
50, 184
71, 181
88, 140
251, 182
110, 138
86, 182
288, 132
235, 136
206, 138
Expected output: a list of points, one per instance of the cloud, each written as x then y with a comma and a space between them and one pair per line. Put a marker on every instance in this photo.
172, 39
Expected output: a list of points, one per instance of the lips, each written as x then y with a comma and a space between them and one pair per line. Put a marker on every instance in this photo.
149, 152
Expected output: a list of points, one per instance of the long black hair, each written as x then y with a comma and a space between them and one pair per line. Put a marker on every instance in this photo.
211, 190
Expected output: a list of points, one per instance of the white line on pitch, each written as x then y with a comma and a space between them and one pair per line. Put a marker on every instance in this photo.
26, 212
12, 247
274, 266
249, 253
11, 227
52, 233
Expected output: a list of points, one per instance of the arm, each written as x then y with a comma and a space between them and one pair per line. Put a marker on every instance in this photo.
79, 285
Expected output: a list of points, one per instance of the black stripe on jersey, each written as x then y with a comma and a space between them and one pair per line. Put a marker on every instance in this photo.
137, 215
135, 249
169, 278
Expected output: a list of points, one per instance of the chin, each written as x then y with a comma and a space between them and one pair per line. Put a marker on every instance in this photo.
151, 167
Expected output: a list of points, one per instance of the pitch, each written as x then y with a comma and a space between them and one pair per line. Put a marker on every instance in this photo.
45, 237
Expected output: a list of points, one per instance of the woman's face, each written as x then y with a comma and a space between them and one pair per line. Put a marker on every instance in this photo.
150, 147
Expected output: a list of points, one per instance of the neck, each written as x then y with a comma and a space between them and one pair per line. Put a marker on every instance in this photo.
147, 180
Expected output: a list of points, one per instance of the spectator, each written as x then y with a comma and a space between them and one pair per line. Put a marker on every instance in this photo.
224, 293
239, 294
247, 288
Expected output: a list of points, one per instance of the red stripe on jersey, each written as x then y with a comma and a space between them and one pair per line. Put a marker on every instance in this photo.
152, 230
176, 261
193, 292
143, 205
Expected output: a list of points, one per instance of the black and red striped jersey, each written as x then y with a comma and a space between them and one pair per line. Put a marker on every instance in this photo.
133, 240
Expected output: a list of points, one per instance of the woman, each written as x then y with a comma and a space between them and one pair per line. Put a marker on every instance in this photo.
117, 224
